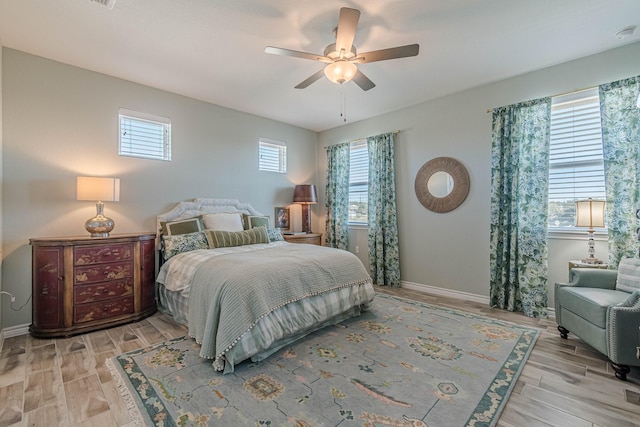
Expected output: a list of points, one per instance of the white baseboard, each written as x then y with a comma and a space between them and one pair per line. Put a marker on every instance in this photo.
12, 331
445, 292
457, 294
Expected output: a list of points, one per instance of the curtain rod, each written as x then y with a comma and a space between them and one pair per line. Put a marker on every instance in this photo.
358, 139
490, 110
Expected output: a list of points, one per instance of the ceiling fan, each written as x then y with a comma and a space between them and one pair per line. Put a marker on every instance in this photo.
341, 57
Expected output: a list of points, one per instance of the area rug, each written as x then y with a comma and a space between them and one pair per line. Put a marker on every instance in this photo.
402, 363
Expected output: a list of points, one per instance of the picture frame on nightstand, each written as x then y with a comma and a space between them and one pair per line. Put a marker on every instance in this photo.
282, 216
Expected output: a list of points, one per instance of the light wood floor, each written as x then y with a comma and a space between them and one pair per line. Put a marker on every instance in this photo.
64, 382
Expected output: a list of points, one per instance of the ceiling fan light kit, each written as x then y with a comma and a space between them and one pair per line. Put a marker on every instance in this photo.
341, 57
340, 71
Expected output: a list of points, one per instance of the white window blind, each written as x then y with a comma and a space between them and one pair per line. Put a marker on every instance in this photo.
272, 156
144, 135
358, 181
576, 165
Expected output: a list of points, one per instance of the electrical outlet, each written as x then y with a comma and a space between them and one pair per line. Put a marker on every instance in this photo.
13, 299
357, 249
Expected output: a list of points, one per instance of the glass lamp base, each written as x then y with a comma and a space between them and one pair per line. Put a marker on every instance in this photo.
99, 226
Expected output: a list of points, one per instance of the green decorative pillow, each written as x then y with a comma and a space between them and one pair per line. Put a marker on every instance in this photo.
274, 234
252, 221
225, 239
176, 244
182, 226
628, 275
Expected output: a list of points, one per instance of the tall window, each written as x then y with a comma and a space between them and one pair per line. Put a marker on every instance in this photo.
576, 165
144, 135
272, 156
358, 182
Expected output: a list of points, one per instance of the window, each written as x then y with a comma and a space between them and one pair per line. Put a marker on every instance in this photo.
144, 135
576, 164
358, 182
272, 156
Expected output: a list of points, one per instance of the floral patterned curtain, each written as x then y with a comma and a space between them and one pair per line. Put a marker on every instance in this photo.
337, 197
384, 258
519, 188
621, 148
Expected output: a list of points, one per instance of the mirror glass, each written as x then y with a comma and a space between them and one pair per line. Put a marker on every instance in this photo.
440, 184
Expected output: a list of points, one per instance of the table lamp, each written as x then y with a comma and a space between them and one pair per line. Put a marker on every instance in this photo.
99, 190
590, 213
305, 195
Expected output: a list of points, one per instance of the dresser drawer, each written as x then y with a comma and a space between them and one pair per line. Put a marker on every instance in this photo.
101, 254
102, 310
102, 291
103, 273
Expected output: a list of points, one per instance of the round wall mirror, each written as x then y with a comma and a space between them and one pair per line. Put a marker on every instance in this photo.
442, 184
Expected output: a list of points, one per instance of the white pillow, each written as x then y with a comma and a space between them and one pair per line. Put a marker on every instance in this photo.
628, 275
223, 221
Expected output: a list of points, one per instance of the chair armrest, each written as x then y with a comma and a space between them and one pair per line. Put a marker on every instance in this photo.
622, 330
592, 278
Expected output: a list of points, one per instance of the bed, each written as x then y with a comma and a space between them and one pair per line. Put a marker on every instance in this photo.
244, 292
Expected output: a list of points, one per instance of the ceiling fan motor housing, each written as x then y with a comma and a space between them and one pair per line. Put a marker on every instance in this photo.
331, 52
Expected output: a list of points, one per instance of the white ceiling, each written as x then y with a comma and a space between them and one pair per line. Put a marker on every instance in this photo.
213, 50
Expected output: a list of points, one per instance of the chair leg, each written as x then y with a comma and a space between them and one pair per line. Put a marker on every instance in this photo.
563, 332
621, 371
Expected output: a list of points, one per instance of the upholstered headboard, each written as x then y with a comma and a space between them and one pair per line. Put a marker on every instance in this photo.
195, 207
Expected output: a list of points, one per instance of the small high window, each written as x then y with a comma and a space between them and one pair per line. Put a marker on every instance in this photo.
144, 135
272, 156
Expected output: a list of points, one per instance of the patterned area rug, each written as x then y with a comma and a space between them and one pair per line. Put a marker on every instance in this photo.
402, 363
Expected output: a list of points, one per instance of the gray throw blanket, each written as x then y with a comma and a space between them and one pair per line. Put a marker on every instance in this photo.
230, 293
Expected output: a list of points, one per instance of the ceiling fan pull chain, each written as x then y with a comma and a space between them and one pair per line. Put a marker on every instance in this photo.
343, 104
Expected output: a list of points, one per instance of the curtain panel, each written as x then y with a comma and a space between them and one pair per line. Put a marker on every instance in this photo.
337, 197
384, 258
620, 117
519, 189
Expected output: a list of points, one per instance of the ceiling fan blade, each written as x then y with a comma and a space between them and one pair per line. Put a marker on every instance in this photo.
363, 81
347, 25
315, 77
296, 54
391, 53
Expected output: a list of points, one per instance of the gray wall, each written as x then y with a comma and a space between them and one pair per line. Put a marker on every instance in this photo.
451, 250
61, 122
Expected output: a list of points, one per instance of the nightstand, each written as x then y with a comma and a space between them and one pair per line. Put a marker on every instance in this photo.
83, 283
576, 263
310, 238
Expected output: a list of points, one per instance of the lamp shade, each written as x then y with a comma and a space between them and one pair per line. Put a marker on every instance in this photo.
305, 194
590, 213
98, 189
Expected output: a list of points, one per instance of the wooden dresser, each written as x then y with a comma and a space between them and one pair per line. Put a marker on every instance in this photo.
310, 238
81, 284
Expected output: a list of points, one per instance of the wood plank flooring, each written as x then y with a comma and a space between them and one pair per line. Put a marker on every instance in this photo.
64, 382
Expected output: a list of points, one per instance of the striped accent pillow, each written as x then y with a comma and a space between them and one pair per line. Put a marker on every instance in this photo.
225, 239
628, 275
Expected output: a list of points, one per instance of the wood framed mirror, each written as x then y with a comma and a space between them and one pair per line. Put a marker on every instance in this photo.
442, 184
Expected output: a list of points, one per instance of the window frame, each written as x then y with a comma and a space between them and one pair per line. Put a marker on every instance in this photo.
597, 190
360, 144
140, 119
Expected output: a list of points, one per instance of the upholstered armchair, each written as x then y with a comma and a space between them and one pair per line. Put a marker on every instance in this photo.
602, 307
